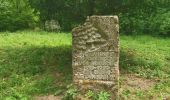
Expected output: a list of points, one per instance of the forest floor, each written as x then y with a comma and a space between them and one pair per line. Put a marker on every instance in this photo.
38, 65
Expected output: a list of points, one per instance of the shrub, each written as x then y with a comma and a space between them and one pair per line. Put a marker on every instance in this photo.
16, 15
161, 23
132, 23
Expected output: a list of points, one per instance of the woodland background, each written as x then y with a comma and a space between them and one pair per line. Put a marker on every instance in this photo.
136, 16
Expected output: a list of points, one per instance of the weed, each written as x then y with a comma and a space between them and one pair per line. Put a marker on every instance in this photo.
71, 93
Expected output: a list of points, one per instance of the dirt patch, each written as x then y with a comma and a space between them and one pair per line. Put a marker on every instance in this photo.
50, 97
136, 82
128, 82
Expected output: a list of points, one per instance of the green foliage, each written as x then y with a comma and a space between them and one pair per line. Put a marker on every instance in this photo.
68, 13
136, 16
161, 23
70, 93
145, 16
16, 15
103, 96
89, 94
136, 24
126, 93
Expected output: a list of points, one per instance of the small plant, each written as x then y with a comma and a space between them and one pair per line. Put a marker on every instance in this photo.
58, 92
89, 94
17, 96
126, 93
71, 93
139, 93
103, 96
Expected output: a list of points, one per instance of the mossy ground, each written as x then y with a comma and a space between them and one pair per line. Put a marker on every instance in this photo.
39, 63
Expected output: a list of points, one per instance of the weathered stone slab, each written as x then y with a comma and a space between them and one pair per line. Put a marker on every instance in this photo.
52, 25
96, 52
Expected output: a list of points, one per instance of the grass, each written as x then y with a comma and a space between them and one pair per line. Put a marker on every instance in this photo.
145, 55
34, 63
39, 63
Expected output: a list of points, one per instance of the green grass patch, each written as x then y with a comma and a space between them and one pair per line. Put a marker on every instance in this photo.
34, 63
145, 55
39, 63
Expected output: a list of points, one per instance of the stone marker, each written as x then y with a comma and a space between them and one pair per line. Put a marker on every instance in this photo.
52, 25
96, 53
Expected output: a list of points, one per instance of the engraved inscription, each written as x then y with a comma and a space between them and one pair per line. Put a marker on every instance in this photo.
96, 58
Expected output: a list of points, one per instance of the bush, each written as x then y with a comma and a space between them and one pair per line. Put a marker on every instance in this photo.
161, 23
147, 17
16, 15
132, 23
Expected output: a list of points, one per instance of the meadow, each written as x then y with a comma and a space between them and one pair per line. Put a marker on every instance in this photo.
39, 63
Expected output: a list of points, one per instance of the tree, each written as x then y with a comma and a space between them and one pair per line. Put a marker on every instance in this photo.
16, 14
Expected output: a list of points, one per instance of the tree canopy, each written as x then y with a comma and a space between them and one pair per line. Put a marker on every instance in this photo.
136, 16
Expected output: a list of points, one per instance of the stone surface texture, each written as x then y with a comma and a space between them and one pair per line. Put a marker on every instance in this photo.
95, 55
52, 25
